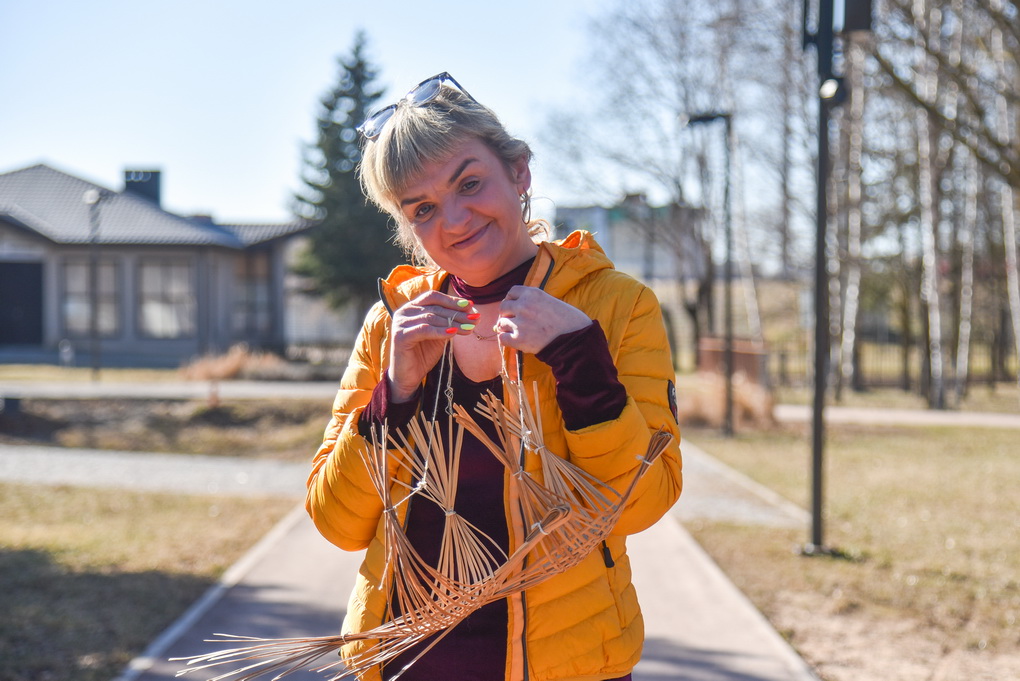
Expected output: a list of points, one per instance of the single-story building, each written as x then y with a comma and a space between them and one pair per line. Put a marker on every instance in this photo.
165, 287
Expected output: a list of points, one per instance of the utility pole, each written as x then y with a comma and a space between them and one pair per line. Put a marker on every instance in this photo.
857, 17
727, 118
92, 198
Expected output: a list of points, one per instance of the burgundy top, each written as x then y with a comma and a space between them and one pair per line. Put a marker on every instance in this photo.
495, 290
479, 501
588, 392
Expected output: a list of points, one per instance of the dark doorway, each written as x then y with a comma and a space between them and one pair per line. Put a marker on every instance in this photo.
21, 302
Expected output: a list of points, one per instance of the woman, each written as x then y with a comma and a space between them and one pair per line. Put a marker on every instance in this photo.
491, 294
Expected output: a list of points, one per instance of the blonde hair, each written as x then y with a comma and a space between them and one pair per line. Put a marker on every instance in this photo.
419, 134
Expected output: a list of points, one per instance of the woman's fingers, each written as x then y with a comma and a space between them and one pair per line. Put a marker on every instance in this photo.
530, 318
420, 331
435, 310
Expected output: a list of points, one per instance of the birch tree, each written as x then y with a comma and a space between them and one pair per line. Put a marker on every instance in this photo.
855, 123
1006, 135
927, 83
977, 109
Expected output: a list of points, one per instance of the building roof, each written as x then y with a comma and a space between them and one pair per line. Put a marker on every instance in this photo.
52, 204
252, 234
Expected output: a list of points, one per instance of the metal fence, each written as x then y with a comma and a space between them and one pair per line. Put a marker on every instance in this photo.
880, 365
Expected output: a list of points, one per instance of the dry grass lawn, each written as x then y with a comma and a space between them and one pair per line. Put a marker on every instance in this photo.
286, 430
930, 522
50, 372
89, 578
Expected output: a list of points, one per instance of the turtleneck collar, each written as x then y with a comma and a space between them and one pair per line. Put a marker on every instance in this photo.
495, 290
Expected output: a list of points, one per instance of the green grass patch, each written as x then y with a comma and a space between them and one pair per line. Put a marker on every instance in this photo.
90, 577
931, 517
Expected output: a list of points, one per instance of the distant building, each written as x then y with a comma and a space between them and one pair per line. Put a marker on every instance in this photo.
647, 242
657, 244
167, 287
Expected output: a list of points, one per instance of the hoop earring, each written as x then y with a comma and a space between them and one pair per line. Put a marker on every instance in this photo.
526, 207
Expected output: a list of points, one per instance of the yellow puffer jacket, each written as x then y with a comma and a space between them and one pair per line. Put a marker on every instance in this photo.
581, 625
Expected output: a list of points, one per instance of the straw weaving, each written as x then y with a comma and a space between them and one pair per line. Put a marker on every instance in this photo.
567, 515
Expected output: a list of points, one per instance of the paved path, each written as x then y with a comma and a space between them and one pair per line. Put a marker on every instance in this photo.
186, 473
899, 417
699, 627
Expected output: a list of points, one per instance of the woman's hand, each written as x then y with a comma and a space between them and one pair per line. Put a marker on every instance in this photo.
421, 329
529, 318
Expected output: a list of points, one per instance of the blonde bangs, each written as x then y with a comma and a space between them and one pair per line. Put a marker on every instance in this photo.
412, 139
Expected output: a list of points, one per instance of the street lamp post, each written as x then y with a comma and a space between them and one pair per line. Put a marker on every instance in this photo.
727, 118
831, 91
92, 198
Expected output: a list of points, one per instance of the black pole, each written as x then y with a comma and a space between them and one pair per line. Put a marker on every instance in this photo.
93, 198
823, 45
728, 287
821, 333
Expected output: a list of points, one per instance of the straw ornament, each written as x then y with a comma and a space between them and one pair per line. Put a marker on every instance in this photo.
567, 515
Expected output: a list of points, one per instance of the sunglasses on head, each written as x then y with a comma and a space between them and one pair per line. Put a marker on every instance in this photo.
420, 95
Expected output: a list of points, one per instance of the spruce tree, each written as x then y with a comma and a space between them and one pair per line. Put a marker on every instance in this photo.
351, 245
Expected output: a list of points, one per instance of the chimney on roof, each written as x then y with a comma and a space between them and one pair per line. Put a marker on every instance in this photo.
144, 183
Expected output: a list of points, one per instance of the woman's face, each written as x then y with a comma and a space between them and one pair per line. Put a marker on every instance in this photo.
465, 211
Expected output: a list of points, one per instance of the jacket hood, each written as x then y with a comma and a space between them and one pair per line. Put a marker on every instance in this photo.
559, 266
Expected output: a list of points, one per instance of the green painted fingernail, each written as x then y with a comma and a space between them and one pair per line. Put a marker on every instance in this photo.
463, 303
467, 327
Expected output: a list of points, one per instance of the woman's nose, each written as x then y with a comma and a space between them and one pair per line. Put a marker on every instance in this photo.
457, 216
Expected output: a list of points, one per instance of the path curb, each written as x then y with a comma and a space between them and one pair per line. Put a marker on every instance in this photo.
156, 650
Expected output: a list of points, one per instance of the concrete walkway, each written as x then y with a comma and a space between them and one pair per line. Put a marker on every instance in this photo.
792, 413
699, 627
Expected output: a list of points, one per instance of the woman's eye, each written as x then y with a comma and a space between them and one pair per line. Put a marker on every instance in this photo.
422, 211
470, 185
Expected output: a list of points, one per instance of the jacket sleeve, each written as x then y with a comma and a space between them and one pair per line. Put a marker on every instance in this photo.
341, 500
609, 450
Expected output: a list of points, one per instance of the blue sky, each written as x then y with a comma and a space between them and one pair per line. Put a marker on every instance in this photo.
221, 95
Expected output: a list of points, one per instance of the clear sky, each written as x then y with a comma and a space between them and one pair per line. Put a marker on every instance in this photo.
221, 95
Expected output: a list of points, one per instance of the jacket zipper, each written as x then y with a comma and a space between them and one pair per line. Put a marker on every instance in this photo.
607, 555
524, 594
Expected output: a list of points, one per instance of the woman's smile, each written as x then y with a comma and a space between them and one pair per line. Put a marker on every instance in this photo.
473, 238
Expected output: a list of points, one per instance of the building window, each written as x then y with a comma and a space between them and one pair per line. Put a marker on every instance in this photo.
166, 295
252, 310
77, 298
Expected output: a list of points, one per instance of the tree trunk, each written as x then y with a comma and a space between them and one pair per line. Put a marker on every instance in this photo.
748, 286
906, 318
786, 161
1007, 206
834, 270
855, 124
926, 203
837, 205
700, 310
967, 229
